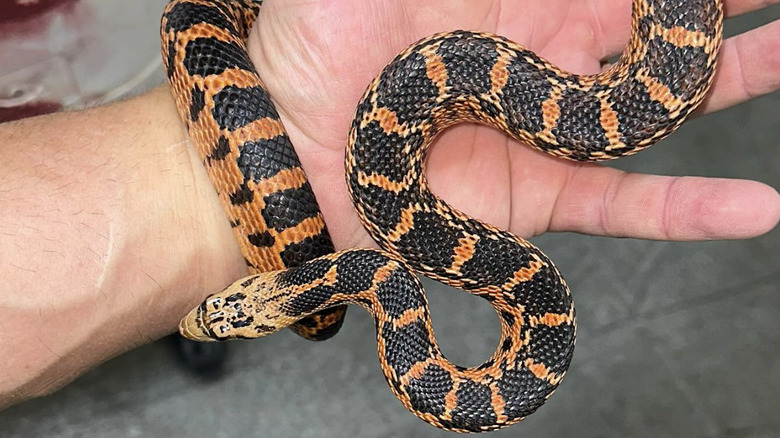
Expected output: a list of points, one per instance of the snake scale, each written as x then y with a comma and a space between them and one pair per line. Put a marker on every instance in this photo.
444, 79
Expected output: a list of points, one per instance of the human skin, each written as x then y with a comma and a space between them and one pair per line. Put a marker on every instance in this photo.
110, 230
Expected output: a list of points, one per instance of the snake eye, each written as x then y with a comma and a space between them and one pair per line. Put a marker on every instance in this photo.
215, 303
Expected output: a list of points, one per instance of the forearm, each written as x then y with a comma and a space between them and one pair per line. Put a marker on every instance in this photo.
109, 232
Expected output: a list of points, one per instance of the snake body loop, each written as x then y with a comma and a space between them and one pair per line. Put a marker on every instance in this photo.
441, 80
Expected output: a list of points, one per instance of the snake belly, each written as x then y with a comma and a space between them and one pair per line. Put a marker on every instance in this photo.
444, 79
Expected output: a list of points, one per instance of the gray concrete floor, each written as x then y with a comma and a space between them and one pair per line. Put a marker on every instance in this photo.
675, 339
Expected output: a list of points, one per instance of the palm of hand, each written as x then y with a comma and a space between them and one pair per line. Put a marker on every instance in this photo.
316, 59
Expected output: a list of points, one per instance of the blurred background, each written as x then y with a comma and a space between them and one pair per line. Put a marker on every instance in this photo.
57, 54
675, 339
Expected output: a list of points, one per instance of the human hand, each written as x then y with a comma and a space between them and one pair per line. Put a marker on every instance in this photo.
316, 59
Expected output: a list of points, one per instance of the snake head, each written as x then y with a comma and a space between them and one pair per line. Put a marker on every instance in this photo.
243, 310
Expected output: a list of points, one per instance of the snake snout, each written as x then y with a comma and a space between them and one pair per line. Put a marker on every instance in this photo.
217, 318
240, 311
192, 327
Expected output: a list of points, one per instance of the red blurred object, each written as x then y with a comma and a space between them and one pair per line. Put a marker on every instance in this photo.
73, 54
12, 11
13, 15
28, 110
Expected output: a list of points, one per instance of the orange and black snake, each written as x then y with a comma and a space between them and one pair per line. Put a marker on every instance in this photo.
441, 80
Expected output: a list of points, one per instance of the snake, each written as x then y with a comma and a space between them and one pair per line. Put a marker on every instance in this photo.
298, 280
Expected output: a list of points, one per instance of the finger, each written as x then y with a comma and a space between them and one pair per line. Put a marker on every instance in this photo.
611, 23
605, 201
749, 67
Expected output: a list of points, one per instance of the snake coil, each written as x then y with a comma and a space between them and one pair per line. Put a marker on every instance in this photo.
441, 80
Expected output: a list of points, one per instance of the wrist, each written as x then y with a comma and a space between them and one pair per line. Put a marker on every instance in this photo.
177, 233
